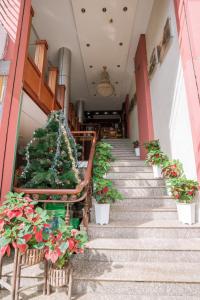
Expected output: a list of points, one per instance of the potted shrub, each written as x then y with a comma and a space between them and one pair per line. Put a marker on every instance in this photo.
103, 190
62, 243
171, 169
22, 226
156, 158
152, 145
105, 194
136, 147
184, 190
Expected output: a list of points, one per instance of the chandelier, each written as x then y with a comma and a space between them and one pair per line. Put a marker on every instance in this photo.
105, 88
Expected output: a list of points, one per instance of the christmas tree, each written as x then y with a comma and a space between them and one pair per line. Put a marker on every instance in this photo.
51, 156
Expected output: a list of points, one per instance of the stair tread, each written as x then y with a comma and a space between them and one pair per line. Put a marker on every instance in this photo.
147, 224
145, 244
137, 271
140, 209
90, 296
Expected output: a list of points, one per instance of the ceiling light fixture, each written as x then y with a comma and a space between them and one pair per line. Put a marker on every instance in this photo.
105, 88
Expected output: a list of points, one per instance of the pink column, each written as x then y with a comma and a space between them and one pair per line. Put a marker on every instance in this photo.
188, 25
145, 121
9, 123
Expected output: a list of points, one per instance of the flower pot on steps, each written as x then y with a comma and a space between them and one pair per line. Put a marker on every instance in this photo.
102, 212
186, 212
137, 151
32, 257
168, 188
157, 171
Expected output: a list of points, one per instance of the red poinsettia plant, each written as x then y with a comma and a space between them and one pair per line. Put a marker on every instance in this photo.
22, 225
183, 189
172, 169
63, 242
156, 157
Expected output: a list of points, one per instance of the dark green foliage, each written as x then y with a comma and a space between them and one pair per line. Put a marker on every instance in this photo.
48, 161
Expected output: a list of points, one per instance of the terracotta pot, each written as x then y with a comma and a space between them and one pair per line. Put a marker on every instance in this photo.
32, 257
59, 277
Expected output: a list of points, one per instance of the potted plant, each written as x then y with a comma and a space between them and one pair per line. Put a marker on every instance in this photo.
184, 190
171, 169
156, 158
136, 147
62, 243
152, 145
22, 226
105, 194
103, 190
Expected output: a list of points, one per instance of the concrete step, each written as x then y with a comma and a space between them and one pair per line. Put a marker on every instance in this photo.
142, 250
139, 183
137, 278
144, 229
125, 158
146, 202
104, 296
142, 192
129, 214
119, 169
128, 163
130, 175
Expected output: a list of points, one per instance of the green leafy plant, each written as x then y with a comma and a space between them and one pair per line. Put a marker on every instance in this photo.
136, 144
152, 145
22, 225
172, 169
156, 157
183, 189
62, 243
104, 191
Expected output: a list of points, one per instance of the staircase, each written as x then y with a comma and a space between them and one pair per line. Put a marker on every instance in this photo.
144, 252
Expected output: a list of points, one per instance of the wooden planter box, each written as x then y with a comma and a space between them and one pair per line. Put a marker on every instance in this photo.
59, 277
32, 257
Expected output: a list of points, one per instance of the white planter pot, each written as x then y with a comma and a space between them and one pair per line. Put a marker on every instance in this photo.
168, 189
186, 212
137, 151
157, 172
102, 212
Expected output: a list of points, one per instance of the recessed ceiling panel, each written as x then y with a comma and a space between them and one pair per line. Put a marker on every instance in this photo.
104, 30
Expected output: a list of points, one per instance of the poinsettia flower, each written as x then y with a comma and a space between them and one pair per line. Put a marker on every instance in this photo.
105, 190
22, 247
53, 255
27, 237
71, 243
14, 213
38, 236
47, 225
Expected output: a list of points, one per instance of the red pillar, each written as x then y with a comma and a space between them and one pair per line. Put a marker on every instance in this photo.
127, 116
11, 108
188, 25
145, 121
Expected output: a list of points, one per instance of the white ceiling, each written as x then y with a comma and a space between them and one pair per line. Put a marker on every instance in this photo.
64, 25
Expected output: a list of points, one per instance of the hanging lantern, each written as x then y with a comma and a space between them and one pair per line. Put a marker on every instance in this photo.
105, 88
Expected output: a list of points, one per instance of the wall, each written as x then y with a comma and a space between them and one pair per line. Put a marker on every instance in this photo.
169, 102
32, 117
